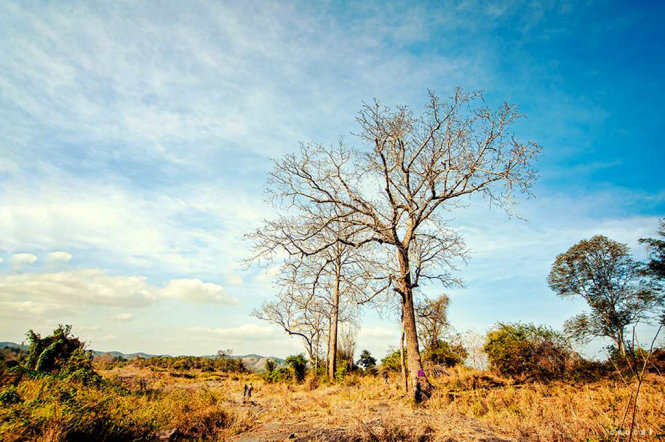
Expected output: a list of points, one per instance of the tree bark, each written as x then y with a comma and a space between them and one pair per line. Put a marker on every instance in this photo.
332, 361
405, 380
421, 389
621, 343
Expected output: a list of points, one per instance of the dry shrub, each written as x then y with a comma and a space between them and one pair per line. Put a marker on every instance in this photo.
58, 409
312, 382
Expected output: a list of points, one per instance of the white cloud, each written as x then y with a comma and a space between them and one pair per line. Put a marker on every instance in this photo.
93, 287
78, 288
60, 256
233, 279
379, 332
123, 317
267, 275
196, 291
19, 259
145, 231
245, 331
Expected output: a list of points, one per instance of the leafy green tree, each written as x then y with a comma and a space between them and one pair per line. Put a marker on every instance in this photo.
59, 352
445, 353
366, 360
270, 365
655, 266
527, 350
298, 364
602, 272
392, 362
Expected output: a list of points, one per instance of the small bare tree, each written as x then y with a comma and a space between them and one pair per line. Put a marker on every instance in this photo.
432, 319
334, 273
298, 315
409, 169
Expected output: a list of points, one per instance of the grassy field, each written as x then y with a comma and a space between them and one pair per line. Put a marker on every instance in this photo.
139, 403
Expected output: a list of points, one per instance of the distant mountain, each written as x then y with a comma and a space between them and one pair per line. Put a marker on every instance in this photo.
253, 362
12, 345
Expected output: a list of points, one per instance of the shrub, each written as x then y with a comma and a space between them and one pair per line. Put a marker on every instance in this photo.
392, 361
341, 372
298, 364
445, 353
527, 350
278, 375
59, 353
9, 396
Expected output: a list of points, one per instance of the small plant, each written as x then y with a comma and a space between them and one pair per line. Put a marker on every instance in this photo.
9, 396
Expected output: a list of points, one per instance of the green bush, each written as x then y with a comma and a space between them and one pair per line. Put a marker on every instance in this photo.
392, 362
58, 353
445, 353
527, 350
278, 375
341, 372
298, 364
9, 396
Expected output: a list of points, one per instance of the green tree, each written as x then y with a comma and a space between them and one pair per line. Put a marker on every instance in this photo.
392, 362
655, 266
366, 360
444, 353
59, 352
527, 350
602, 272
298, 364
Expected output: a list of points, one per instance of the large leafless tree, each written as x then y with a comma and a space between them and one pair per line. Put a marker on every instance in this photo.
408, 170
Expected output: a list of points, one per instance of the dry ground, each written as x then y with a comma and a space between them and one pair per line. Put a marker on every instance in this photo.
467, 405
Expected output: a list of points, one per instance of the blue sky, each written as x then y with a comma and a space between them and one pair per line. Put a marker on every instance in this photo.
135, 138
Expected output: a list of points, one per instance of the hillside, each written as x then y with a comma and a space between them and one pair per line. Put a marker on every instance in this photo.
253, 362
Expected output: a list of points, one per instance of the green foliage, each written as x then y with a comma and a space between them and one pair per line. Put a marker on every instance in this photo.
527, 350
392, 362
445, 353
270, 365
58, 353
656, 247
298, 364
278, 375
53, 408
187, 363
604, 274
366, 361
341, 372
9, 396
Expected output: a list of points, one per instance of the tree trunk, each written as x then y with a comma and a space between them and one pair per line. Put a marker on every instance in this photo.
621, 343
332, 361
421, 389
405, 380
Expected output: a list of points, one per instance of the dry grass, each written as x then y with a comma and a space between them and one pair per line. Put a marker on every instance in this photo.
466, 405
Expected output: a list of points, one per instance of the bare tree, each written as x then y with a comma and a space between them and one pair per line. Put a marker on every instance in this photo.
334, 273
432, 319
298, 315
409, 170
